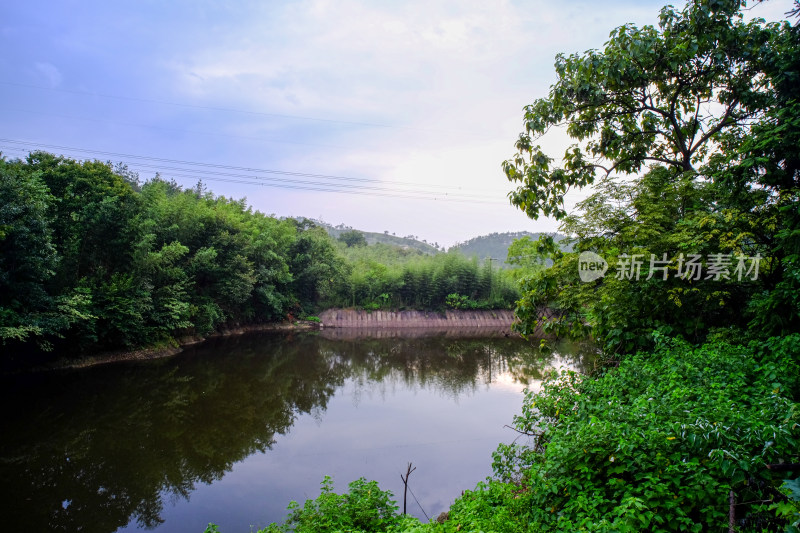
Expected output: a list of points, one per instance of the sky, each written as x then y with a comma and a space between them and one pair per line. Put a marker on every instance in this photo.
383, 116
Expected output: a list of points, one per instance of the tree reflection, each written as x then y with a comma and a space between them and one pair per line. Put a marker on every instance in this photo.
95, 449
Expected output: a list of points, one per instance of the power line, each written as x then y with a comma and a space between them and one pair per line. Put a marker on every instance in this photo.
351, 185
219, 166
347, 184
165, 160
373, 191
337, 187
290, 186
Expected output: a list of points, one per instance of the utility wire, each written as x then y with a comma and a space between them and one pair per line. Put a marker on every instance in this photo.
352, 185
220, 166
359, 191
348, 183
333, 187
378, 192
178, 161
314, 186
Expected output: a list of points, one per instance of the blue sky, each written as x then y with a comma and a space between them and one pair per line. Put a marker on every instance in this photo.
411, 106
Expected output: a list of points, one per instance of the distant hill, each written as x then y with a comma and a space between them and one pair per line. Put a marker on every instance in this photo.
495, 245
408, 242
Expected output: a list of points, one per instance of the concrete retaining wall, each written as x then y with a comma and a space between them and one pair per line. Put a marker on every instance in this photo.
388, 332
354, 318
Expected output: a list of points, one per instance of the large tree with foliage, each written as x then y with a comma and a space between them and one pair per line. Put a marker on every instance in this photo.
685, 130
353, 238
661, 95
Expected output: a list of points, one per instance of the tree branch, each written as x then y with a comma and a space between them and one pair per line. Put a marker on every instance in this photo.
673, 102
723, 123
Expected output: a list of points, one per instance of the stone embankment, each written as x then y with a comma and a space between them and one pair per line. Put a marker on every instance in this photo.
457, 332
356, 318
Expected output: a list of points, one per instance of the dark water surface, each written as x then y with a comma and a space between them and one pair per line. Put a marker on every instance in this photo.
231, 430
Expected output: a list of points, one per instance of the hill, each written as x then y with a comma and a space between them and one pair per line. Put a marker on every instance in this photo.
407, 242
495, 245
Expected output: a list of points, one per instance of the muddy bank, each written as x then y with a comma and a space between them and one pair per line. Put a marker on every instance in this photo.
168, 351
356, 318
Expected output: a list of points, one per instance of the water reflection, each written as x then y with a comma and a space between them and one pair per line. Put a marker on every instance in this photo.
95, 449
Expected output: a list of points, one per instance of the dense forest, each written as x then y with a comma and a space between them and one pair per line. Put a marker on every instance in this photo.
685, 269
91, 259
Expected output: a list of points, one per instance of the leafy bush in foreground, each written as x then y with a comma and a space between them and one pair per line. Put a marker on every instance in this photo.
658, 443
364, 509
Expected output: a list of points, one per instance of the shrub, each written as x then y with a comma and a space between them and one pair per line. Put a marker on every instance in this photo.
658, 443
364, 509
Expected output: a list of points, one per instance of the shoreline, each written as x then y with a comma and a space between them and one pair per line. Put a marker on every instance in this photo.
331, 319
144, 354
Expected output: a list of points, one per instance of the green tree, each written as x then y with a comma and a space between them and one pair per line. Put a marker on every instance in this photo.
759, 174
315, 265
269, 254
663, 95
677, 130
353, 238
659, 443
365, 508
28, 257
31, 309
528, 256
91, 216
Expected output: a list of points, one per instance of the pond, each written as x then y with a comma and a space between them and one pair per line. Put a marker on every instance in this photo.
231, 430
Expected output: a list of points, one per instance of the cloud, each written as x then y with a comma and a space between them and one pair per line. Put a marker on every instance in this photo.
357, 59
448, 78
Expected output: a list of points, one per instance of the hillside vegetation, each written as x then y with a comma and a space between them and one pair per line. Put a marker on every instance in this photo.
492, 247
495, 246
409, 242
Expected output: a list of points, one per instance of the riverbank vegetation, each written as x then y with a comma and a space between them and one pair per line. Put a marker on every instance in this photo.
686, 271
92, 260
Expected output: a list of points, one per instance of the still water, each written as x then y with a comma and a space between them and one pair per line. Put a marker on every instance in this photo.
233, 429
